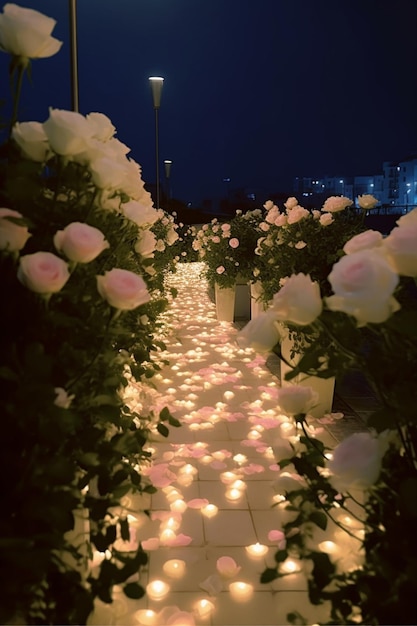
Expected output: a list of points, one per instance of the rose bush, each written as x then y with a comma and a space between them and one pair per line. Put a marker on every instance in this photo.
79, 341
349, 513
227, 249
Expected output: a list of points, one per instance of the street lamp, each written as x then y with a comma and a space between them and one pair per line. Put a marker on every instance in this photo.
156, 87
73, 54
168, 164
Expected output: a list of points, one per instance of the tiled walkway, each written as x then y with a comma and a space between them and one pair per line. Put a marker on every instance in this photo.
215, 476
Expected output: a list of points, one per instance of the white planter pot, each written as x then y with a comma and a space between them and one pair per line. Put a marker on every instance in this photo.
225, 303
323, 386
256, 306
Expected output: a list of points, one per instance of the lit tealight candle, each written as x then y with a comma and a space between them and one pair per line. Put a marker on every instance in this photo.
146, 617
233, 494
204, 608
157, 589
178, 506
329, 547
240, 458
257, 550
238, 484
289, 567
227, 477
240, 591
175, 568
210, 510
167, 535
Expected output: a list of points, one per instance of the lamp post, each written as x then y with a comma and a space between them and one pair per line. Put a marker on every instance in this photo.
156, 83
73, 54
168, 165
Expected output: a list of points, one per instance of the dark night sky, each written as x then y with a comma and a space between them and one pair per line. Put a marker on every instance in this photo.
256, 90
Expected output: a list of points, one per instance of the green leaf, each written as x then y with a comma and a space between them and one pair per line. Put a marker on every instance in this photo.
281, 556
165, 414
319, 518
124, 529
174, 422
269, 575
162, 430
134, 591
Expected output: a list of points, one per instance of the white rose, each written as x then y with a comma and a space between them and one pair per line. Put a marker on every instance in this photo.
363, 284
43, 272
146, 243
326, 219
291, 203
140, 213
160, 246
62, 399
296, 214
26, 33
80, 242
363, 241
122, 289
172, 236
68, 132
32, 140
268, 205
102, 128
297, 399
13, 237
366, 201
336, 203
260, 333
299, 300
401, 247
107, 173
356, 462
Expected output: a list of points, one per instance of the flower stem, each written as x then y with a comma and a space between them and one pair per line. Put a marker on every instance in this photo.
17, 89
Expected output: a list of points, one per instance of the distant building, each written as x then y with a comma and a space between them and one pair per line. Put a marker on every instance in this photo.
395, 188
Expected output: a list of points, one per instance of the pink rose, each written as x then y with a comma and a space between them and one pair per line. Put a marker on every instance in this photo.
401, 247
363, 241
234, 242
367, 201
291, 203
336, 203
363, 284
80, 242
122, 289
296, 214
326, 219
43, 272
220, 269
13, 237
